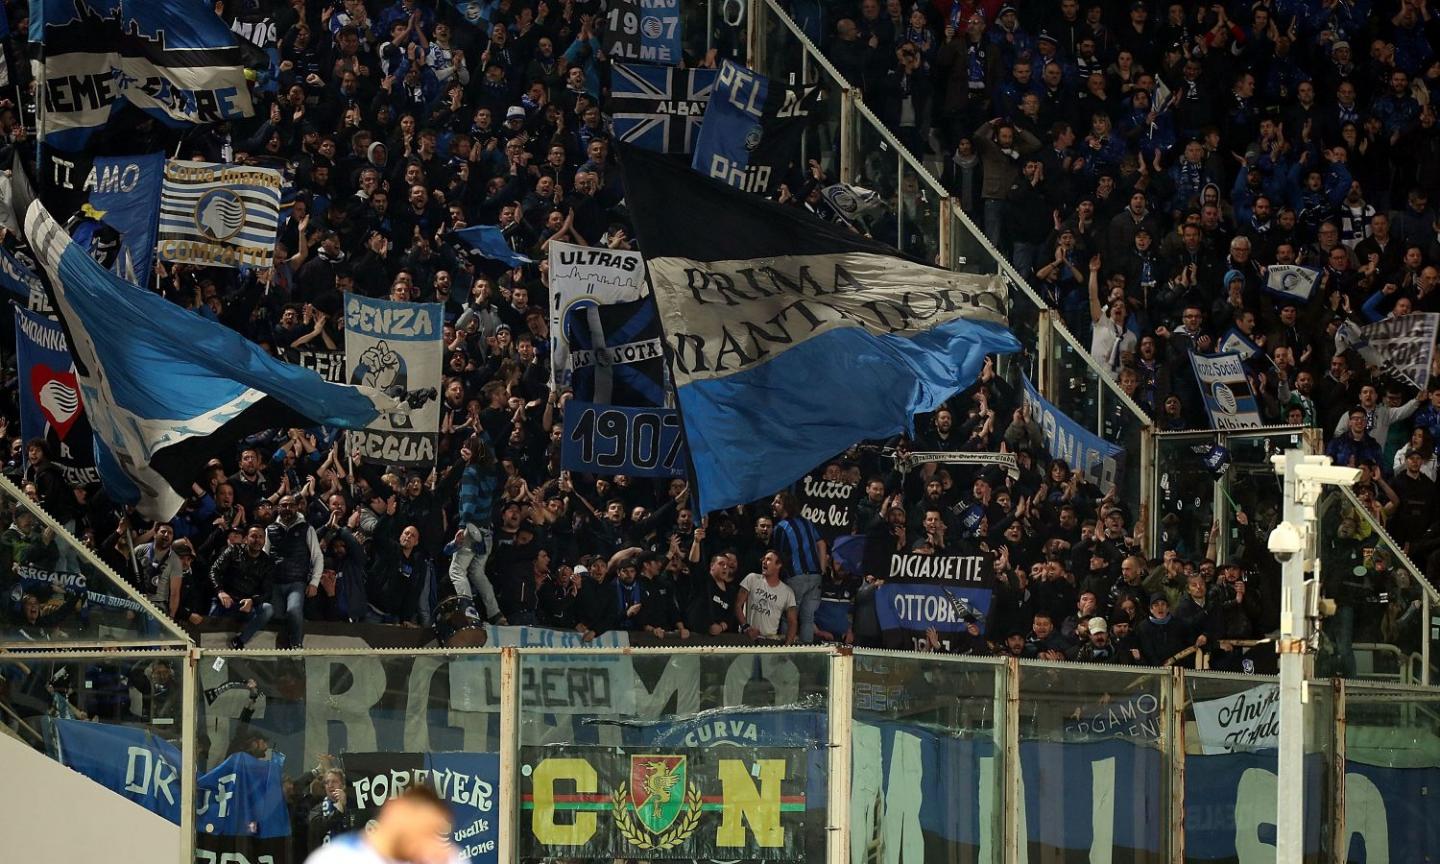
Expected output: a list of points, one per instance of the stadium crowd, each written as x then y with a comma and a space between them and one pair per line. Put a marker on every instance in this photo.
1142, 164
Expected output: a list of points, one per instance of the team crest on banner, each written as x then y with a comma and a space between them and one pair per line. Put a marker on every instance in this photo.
219, 215
50, 406
659, 796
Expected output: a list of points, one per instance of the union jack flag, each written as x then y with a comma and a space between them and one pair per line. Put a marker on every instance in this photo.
657, 107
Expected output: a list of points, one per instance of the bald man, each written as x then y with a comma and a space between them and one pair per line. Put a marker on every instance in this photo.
412, 828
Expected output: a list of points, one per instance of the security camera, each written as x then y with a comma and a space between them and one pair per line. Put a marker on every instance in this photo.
1285, 541
1333, 475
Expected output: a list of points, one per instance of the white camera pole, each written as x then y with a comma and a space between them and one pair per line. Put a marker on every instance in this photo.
1292, 542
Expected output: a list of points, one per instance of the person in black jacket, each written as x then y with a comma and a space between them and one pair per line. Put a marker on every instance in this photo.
712, 603
1162, 635
243, 576
662, 604
400, 576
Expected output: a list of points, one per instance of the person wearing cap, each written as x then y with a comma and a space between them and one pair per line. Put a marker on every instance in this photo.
1098, 648
623, 602
1006, 35
196, 592
1162, 635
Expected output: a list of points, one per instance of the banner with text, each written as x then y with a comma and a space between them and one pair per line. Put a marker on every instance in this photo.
946, 592
1228, 399
1248, 720
646, 804
329, 365
1402, 346
581, 280
1100, 461
611, 439
657, 107
50, 406
752, 128
829, 504
468, 782
644, 30
570, 683
19, 279
396, 348
215, 215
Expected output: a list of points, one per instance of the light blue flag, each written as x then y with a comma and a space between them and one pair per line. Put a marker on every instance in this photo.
166, 389
790, 339
489, 242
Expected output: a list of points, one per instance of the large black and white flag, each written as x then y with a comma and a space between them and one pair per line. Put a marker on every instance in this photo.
789, 338
753, 127
657, 107
214, 215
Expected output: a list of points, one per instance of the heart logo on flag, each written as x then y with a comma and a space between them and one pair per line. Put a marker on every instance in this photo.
58, 394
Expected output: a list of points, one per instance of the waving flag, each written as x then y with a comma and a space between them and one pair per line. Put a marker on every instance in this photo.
753, 127
489, 242
1291, 282
789, 338
165, 389
659, 108
173, 59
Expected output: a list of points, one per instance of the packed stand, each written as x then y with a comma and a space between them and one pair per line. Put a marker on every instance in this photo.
399, 124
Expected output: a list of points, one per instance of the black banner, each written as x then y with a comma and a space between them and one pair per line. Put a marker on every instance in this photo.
829, 504
329, 365
647, 30
946, 592
652, 804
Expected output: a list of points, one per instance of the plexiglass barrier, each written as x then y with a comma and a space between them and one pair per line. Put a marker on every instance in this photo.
928, 751
315, 744
724, 754
700, 754
1391, 770
1380, 624
62, 590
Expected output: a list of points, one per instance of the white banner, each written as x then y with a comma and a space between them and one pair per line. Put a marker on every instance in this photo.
1402, 346
569, 683
1247, 720
396, 348
1226, 390
580, 274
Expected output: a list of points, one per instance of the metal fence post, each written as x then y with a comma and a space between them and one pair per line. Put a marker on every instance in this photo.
189, 718
1176, 739
509, 816
1338, 837
847, 135
1147, 515
841, 722
1011, 763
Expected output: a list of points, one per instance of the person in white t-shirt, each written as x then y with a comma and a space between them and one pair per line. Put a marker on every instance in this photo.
763, 600
412, 828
